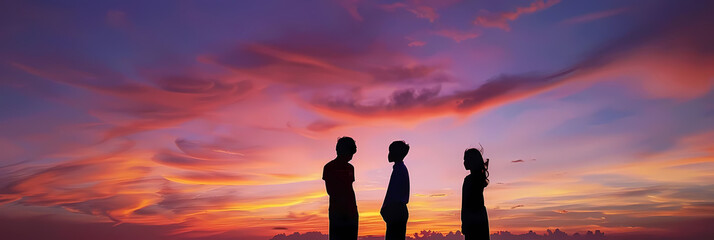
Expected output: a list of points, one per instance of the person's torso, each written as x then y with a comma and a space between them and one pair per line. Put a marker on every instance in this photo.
340, 175
472, 197
398, 188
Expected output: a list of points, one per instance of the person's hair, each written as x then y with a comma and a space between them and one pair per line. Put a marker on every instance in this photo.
399, 148
474, 160
345, 146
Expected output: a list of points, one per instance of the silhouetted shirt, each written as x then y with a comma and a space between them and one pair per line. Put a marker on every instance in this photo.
398, 189
339, 176
472, 204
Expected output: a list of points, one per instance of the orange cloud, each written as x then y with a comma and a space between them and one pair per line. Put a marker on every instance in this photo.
220, 178
416, 104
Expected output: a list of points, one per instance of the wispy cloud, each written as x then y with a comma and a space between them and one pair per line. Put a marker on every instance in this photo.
457, 35
622, 57
594, 16
415, 7
501, 19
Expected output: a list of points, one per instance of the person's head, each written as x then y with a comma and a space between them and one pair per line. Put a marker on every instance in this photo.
474, 162
473, 159
397, 151
346, 148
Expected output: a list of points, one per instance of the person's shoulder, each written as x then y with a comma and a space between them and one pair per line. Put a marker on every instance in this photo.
330, 166
328, 169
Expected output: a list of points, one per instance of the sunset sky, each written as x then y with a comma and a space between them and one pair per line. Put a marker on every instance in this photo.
213, 119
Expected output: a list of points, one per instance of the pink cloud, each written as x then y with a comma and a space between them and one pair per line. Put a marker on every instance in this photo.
424, 12
678, 71
417, 8
303, 65
416, 43
351, 7
501, 19
457, 35
322, 125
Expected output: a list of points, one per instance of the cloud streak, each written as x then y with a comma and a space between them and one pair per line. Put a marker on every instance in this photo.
594, 16
637, 55
501, 19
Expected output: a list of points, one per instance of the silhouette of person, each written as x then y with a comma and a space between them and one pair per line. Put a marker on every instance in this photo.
474, 220
339, 176
394, 209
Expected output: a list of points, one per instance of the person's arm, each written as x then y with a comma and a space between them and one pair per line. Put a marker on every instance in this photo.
404, 185
389, 196
467, 202
326, 178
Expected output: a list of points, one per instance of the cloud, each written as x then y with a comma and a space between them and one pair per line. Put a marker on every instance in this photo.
424, 12
313, 130
299, 236
641, 56
416, 43
306, 65
501, 19
594, 16
221, 148
272, 64
426, 102
322, 125
57, 228
520, 160
457, 35
132, 106
181, 161
457, 235
107, 185
423, 73
416, 7
235, 179
351, 7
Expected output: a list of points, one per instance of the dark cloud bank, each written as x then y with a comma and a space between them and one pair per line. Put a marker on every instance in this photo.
431, 235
